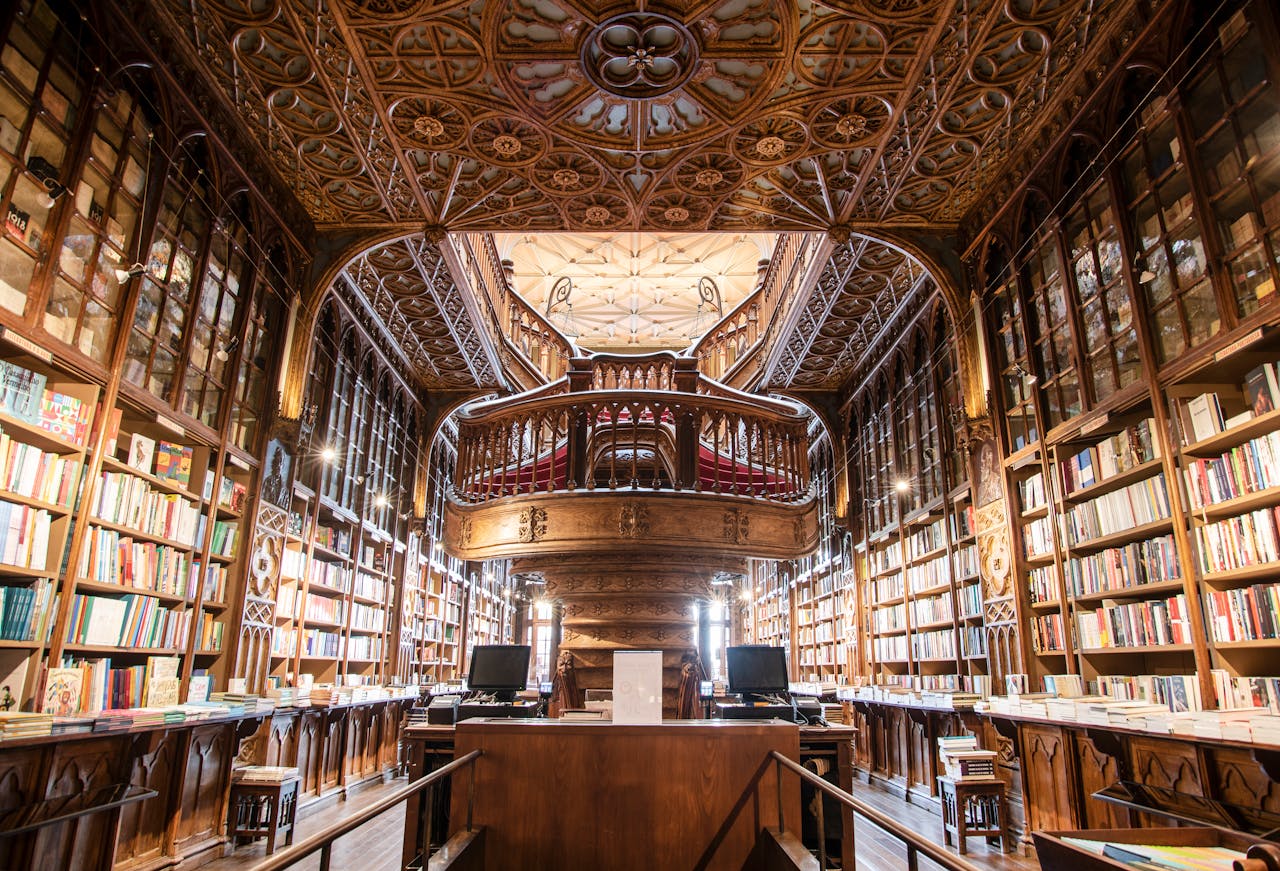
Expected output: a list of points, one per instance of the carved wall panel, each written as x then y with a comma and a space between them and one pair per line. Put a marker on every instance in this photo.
144, 825
310, 745
74, 768
1048, 769
1098, 770
203, 802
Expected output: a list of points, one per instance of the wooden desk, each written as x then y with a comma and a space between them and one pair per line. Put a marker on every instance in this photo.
682, 794
430, 747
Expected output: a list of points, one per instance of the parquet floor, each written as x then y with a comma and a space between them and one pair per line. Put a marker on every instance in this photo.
376, 845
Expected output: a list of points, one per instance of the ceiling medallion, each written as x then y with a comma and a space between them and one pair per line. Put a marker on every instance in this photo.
597, 215
428, 126
676, 214
709, 178
639, 55
852, 126
771, 147
506, 145
566, 179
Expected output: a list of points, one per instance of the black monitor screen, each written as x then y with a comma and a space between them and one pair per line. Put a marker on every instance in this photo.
498, 667
757, 668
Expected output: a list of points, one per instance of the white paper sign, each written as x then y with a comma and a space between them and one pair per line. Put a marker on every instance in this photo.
637, 687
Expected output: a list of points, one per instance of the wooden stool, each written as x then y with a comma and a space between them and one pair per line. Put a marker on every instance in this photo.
973, 807
263, 808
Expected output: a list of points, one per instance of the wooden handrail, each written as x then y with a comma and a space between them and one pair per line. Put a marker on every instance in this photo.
323, 841
915, 843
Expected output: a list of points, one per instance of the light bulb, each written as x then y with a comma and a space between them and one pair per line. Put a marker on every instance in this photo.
328, 455
380, 501
902, 485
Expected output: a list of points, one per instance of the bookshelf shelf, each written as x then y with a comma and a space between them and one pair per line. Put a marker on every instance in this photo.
1148, 649
1240, 576
123, 590
1239, 505
1145, 530
1234, 437
1253, 644
1135, 591
12, 571
39, 504
26, 432
164, 485
122, 651
1115, 482
143, 536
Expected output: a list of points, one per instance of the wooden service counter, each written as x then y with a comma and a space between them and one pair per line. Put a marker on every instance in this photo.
189, 766
604, 763
1052, 768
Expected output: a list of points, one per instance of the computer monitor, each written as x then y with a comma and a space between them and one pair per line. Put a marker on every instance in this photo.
757, 669
501, 669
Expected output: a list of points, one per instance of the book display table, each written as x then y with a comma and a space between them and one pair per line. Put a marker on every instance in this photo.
974, 807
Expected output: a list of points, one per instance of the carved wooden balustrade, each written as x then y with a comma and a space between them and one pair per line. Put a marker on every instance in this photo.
627, 424
721, 352
542, 347
628, 485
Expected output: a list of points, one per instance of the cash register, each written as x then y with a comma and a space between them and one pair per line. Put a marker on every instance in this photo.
498, 672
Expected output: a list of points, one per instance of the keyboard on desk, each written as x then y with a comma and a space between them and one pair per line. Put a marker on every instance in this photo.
755, 712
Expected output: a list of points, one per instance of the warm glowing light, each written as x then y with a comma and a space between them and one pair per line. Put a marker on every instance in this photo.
380, 501
328, 455
902, 485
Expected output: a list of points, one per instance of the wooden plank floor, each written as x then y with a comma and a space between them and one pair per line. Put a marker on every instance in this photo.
375, 846
878, 851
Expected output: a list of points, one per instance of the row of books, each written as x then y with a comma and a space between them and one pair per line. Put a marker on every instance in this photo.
115, 558
889, 618
368, 617
1238, 542
364, 647
1135, 624
370, 587
166, 460
1042, 584
1248, 468
1037, 538
888, 557
338, 540
973, 641
224, 537
36, 474
1047, 635
1247, 614
1245, 693
94, 686
1127, 449
210, 633
967, 561
938, 644
931, 610
889, 587
25, 611
128, 621
324, 609
928, 575
1177, 692
24, 536
24, 395
890, 648
970, 600
331, 575
926, 540
1142, 502
1150, 561
1031, 492
127, 500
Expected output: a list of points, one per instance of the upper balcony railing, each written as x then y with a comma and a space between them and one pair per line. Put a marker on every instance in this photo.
648, 422
721, 351
543, 349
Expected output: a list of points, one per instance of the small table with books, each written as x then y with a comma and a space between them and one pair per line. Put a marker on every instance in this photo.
973, 807
264, 800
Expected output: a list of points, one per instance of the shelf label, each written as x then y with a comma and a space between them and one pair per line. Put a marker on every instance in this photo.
170, 423
237, 462
1238, 345
26, 344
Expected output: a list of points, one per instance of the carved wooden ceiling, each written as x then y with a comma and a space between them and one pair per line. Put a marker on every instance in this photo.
635, 291
591, 116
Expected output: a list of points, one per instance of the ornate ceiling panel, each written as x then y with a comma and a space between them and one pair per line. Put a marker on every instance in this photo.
863, 284
588, 115
410, 291
635, 291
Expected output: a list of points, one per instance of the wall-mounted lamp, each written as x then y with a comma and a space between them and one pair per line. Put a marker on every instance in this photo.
1019, 372
359, 479
227, 350
47, 174
328, 454
380, 501
123, 275
902, 485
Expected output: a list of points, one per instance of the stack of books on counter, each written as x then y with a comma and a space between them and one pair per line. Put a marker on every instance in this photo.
205, 710
71, 725
954, 699
264, 774
19, 724
245, 703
